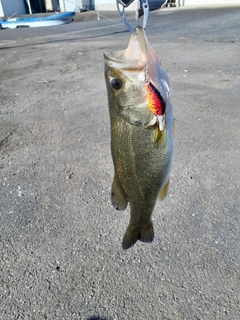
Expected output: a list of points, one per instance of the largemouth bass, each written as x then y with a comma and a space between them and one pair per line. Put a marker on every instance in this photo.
141, 116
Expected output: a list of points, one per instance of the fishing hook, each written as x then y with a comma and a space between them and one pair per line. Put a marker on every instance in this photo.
121, 10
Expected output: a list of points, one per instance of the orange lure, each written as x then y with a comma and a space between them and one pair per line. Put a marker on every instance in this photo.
156, 103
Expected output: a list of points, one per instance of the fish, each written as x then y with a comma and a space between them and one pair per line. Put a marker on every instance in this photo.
141, 121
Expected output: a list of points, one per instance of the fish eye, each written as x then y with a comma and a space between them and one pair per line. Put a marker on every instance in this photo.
116, 83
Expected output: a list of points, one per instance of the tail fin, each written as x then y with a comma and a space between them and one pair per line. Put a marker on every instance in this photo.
135, 233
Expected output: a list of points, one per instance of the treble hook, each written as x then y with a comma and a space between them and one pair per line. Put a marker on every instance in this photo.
125, 4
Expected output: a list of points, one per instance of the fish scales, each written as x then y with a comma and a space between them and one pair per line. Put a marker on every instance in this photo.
141, 149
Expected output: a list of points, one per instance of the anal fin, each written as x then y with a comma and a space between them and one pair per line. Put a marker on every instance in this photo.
119, 200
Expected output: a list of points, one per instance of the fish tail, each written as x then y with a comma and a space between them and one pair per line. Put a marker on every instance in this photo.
134, 233
147, 232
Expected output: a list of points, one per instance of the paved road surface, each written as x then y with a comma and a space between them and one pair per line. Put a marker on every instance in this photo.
60, 238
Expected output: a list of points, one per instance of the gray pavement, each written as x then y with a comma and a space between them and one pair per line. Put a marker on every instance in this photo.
60, 238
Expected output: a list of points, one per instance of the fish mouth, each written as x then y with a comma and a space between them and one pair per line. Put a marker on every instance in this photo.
140, 56
134, 57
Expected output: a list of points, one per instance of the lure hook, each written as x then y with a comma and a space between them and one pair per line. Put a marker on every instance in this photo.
122, 4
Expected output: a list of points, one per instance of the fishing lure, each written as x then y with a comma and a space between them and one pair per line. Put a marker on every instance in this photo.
156, 103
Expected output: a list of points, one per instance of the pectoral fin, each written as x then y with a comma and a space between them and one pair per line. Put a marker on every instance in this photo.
164, 191
158, 135
119, 200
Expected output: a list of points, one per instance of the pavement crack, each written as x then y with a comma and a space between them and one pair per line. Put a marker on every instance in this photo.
5, 140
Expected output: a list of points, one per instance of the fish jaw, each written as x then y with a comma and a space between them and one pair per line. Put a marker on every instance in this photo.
158, 84
154, 71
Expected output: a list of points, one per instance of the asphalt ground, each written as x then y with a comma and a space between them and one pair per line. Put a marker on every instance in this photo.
60, 238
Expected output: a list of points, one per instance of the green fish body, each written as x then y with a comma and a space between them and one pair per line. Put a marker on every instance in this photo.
141, 119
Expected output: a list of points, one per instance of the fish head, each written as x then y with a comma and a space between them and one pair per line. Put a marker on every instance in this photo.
125, 86
138, 87
125, 77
